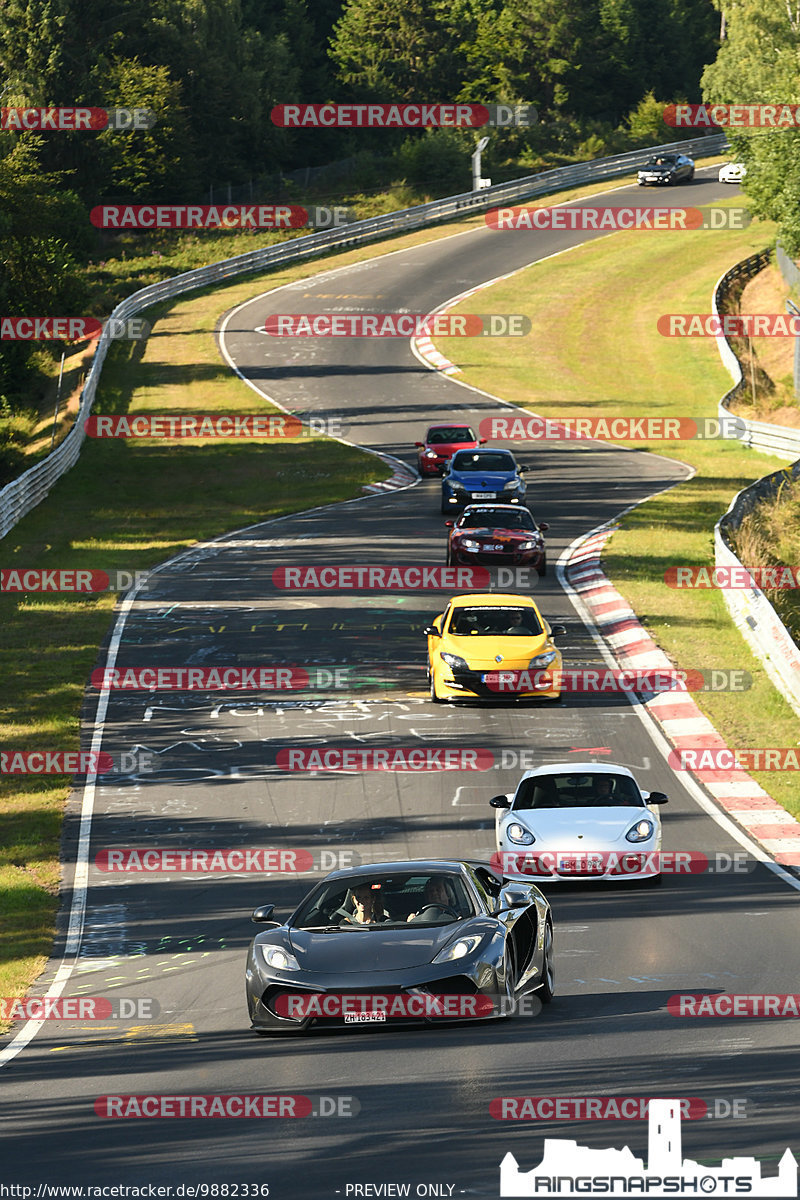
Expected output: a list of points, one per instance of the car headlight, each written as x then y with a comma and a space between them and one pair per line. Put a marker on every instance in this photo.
519, 834
543, 660
641, 831
279, 960
459, 949
512, 485
469, 544
454, 661
529, 545
430, 454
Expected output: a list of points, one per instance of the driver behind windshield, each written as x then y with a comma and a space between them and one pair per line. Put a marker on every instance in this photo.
437, 896
367, 906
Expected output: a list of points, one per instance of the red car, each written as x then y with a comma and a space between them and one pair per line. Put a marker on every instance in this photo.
487, 535
441, 442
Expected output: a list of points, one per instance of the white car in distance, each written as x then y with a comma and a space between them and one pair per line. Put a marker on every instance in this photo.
732, 172
579, 821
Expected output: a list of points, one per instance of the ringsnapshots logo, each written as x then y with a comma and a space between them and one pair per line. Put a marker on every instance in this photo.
235, 860
398, 325
570, 1170
403, 116
527, 428
71, 329
79, 1008
610, 220
73, 120
732, 116
270, 427
216, 216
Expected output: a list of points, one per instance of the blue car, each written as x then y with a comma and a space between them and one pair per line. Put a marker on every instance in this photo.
474, 475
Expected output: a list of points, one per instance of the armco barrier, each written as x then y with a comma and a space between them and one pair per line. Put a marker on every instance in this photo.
752, 613
21, 495
780, 440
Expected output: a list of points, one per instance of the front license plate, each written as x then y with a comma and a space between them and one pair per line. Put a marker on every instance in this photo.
483, 495
362, 1018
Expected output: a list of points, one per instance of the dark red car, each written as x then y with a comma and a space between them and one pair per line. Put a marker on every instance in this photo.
441, 442
488, 535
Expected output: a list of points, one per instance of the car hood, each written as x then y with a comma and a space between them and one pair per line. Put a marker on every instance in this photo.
482, 481
581, 827
481, 653
449, 448
659, 170
359, 951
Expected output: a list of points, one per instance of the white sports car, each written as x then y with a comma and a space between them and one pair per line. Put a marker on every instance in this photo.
579, 820
732, 172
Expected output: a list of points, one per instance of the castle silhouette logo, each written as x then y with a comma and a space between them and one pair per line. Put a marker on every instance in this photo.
568, 1169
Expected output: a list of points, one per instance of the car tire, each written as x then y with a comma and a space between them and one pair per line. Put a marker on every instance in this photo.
548, 989
508, 998
435, 697
543, 568
690, 176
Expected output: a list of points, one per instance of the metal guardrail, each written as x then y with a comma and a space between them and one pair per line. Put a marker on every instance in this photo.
751, 611
29, 489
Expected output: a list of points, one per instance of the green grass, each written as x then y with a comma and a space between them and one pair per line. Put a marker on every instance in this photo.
594, 351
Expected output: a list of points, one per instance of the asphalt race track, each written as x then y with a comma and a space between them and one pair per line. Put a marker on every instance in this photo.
423, 1095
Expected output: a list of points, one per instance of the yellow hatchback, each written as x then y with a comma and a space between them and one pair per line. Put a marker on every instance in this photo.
493, 645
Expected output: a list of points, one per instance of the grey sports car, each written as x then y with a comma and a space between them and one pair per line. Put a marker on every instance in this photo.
401, 942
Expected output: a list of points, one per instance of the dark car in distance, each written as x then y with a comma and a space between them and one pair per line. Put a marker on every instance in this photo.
666, 168
497, 535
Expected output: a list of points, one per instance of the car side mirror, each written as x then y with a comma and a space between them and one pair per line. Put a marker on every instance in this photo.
558, 630
443, 468
515, 895
500, 802
482, 441
543, 527
522, 469
449, 524
657, 798
431, 631
264, 914
420, 444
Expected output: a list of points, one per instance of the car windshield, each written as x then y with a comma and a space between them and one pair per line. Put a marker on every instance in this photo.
663, 160
394, 901
578, 791
441, 437
483, 460
494, 621
497, 518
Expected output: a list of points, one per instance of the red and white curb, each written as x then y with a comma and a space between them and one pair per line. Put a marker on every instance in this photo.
402, 477
681, 720
433, 358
